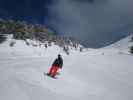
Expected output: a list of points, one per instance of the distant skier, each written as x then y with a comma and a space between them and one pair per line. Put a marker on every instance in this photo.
58, 63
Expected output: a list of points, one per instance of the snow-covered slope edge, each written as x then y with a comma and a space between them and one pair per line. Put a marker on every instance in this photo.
122, 46
33, 48
123, 43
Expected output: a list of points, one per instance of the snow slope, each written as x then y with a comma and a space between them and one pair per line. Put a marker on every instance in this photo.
122, 46
95, 74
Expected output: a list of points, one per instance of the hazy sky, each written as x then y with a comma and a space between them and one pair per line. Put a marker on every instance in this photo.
95, 22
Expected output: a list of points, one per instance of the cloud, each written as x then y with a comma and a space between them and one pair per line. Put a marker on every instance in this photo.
94, 22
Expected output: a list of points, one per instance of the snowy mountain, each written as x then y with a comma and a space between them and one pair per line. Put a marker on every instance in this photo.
122, 46
22, 30
94, 74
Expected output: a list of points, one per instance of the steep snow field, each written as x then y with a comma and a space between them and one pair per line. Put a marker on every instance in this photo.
95, 74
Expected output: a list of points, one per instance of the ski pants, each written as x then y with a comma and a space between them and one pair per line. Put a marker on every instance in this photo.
53, 70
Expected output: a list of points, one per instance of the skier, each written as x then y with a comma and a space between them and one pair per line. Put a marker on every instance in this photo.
58, 63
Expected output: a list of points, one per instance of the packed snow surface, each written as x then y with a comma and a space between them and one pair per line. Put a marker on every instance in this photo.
94, 74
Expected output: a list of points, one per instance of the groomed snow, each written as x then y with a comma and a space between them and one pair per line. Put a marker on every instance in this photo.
95, 74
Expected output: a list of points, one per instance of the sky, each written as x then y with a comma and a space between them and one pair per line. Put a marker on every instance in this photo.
29, 10
95, 23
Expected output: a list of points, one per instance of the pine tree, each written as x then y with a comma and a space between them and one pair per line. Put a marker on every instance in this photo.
2, 38
131, 49
132, 38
